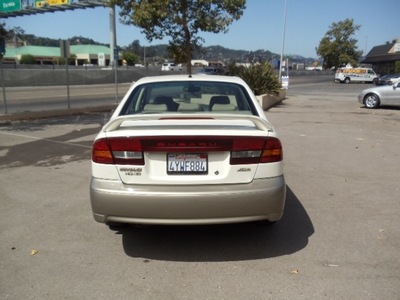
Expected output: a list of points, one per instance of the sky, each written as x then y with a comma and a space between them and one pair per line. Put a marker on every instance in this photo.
262, 25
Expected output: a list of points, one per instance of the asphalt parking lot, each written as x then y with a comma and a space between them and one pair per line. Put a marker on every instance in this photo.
339, 237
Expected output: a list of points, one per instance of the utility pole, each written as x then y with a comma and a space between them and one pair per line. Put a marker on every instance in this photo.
114, 55
113, 35
283, 42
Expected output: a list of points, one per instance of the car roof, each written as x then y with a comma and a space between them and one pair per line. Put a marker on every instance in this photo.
194, 77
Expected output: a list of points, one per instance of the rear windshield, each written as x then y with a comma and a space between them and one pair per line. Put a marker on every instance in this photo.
189, 97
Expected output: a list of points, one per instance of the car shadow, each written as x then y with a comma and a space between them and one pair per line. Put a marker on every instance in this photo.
389, 107
381, 107
221, 242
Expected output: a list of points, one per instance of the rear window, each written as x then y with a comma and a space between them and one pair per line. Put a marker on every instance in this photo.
189, 97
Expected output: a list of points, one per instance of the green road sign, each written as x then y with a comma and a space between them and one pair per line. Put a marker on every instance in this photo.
10, 5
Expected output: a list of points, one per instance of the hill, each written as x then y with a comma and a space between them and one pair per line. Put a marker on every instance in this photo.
160, 52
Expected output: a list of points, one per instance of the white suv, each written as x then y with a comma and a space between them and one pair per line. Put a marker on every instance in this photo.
171, 67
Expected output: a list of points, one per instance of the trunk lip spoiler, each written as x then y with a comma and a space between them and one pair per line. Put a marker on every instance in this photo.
175, 119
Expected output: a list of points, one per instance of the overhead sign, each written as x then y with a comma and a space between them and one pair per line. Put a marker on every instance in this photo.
44, 3
116, 53
16, 8
10, 5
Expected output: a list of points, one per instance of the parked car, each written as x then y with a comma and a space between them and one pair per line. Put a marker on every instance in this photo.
380, 95
171, 67
212, 71
183, 149
388, 79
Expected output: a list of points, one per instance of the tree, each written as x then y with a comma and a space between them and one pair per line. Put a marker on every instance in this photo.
337, 48
3, 36
135, 47
27, 59
181, 21
130, 58
17, 31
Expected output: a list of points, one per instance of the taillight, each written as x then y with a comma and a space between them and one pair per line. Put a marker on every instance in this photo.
101, 152
121, 151
272, 151
256, 150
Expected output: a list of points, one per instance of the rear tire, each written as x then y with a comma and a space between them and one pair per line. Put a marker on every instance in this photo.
371, 101
347, 80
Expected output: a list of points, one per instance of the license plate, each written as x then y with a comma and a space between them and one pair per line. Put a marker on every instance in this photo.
187, 163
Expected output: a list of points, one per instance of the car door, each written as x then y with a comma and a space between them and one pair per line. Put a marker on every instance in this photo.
393, 95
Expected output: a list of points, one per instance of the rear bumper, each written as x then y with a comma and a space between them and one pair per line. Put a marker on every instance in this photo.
262, 199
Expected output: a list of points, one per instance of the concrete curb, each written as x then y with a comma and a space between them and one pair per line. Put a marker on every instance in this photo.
269, 100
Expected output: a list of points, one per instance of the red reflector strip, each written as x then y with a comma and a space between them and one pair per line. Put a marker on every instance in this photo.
250, 143
244, 150
187, 144
125, 144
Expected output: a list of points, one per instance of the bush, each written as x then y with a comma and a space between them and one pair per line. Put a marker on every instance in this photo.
59, 61
262, 79
27, 59
130, 58
397, 67
72, 59
62, 60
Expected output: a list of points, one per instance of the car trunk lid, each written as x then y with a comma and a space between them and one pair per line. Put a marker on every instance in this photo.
189, 150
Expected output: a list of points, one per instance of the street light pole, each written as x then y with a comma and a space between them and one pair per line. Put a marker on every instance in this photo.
113, 36
114, 55
283, 42
366, 42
